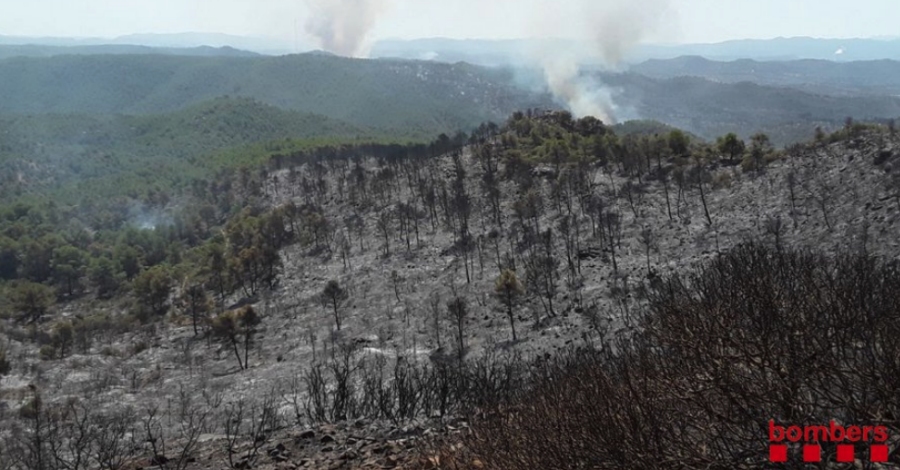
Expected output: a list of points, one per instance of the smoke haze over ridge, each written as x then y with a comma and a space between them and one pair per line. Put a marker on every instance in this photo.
611, 27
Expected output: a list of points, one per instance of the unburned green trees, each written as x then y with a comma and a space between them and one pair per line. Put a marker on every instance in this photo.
31, 300
103, 275
68, 266
760, 148
253, 258
216, 268
731, 145
679, 143
9, 258
152, 288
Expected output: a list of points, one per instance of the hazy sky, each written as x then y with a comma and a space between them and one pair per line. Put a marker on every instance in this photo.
686, 20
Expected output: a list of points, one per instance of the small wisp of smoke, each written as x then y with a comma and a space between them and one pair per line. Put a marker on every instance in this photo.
147, 218
342, 27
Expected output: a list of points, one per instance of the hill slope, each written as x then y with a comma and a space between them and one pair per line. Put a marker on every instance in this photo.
423, 99
710, 109
588, 230
41, 153
411, 96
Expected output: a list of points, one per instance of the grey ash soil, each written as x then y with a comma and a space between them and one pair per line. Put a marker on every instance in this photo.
359, 444
161, 364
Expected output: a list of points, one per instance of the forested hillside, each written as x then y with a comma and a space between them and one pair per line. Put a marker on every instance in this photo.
83, 155
412, 97
343, 304
422, 99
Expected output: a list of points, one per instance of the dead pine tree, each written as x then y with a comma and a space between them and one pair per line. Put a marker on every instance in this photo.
822, 191
775, 227
509, 289
396, 280
383, 223
664, 178
792, 187
681, 180
334, 294
613, 222
647, 240
458, 311
700, 175
435, 303
235, 324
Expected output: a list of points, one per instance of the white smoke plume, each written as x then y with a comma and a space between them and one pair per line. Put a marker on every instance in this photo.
611, 28
616, 26
583, 96
342, 26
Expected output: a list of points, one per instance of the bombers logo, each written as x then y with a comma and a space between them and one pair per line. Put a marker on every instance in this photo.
846, 439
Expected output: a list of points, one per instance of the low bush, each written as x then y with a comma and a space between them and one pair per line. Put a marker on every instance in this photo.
752, 336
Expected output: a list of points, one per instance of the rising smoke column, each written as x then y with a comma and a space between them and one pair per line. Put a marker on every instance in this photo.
342, 26
583, 96
612, 27
617, 26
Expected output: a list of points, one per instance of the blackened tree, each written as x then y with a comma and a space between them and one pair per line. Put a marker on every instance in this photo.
334, 294
195, 304
458, 312
509, 289
238, 326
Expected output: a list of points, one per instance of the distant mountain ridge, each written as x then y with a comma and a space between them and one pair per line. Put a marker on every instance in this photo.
178, 40
511, 51
422, 99
821, 76
33, 50
711, 109
794, 48
518, 51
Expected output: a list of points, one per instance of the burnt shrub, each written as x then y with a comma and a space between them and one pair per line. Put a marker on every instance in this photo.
755, 335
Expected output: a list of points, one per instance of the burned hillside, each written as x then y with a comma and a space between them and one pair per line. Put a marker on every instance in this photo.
402, 283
